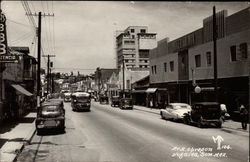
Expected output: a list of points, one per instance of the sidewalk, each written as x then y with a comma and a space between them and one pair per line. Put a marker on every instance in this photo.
228, 125
15, 135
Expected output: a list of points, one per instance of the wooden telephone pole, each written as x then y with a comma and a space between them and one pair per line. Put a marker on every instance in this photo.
39, 29
215, 54
48, 71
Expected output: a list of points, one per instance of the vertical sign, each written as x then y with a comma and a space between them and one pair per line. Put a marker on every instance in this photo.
3, 37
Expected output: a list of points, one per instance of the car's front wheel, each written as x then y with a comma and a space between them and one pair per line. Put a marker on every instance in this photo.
199, 124
162, 116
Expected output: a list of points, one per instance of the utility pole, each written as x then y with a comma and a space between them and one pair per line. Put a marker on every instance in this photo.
215, 54
39, 30
48, 71
123, 75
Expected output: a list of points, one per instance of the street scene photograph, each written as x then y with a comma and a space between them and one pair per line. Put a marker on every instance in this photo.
124, 81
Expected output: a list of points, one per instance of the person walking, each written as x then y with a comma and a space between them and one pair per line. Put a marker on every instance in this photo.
223, 111
244, 117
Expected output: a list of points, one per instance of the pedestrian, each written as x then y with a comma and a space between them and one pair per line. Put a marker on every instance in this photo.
223, 109
243, 117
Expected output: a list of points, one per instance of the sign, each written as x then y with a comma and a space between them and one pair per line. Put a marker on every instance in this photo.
9, 58
3, 36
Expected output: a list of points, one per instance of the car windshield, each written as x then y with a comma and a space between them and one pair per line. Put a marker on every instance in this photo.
82, 98
50, 108
181, 107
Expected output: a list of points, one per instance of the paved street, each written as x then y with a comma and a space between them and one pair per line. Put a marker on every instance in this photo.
111, 134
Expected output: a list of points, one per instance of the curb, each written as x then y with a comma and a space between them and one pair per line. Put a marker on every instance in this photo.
147, 111
27, 140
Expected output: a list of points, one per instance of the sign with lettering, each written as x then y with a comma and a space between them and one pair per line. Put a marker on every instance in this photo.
9, 58
3, 36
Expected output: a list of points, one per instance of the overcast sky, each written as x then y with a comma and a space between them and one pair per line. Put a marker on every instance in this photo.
81, 34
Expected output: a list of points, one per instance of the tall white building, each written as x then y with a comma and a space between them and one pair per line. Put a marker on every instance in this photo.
132, 47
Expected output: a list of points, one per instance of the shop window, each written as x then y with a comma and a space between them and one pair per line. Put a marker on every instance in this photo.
171, 66
197, 60
233, 53
209, 58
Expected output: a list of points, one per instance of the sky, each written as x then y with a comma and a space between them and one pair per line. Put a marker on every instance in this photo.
81, 34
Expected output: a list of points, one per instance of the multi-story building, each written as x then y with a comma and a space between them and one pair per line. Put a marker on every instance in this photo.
102, 77
133, 47
186, 62
19, 83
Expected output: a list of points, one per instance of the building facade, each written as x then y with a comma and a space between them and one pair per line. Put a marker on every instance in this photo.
19, 84
132, 47
186, 62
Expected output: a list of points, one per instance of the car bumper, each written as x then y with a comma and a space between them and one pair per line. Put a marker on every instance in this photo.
210, 121
82, 107
50, 123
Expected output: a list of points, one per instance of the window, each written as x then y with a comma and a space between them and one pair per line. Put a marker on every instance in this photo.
133, 36
243, 50
145, 61
152, 68
132, 30
155, 69
233, 53
129, 42
165, 66
197, 60
171, 65
143, 31
209, 61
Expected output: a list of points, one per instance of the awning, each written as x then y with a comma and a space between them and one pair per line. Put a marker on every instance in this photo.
151, 90
21, 90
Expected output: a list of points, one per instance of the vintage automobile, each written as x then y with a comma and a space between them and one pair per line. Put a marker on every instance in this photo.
115, 101
80, 101
175, 111
126, 103
204, 113
51, 115
67, 97
104, 99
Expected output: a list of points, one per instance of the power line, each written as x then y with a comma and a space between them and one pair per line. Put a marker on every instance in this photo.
12, 21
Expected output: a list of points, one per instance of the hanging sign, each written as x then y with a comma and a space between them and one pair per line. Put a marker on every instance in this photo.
3, 36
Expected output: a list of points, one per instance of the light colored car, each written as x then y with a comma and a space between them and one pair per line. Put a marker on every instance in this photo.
175, 111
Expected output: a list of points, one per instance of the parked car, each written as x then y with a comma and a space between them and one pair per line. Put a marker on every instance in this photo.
204, 113
80, 101
175, 111
67, 97
104, 100
115, 101
126, 103
51, 115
